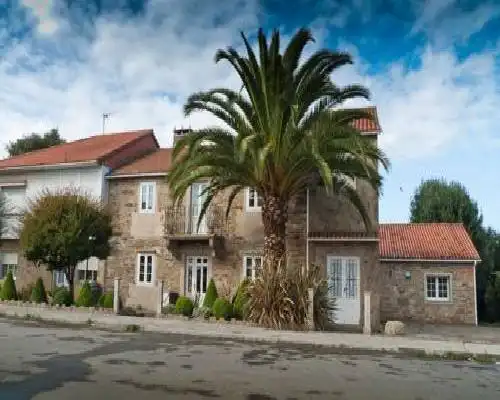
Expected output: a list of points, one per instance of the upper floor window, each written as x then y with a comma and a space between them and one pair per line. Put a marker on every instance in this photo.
147, 196
145, 268
251, 266
253, 200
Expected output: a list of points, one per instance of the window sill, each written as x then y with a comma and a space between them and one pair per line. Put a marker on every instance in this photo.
438, 301
253, 209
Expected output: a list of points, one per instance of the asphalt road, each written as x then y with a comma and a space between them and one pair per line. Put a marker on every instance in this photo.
45, 362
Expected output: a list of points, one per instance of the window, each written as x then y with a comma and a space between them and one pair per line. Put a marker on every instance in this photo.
8, 263
60, 279
437, 287
89, 275
253, 200
147, 195
145, 266
251, 266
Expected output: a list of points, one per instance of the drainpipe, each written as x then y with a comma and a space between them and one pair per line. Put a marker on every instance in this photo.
475, 292
307, 228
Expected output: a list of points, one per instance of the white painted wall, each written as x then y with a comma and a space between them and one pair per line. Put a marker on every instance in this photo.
90, 179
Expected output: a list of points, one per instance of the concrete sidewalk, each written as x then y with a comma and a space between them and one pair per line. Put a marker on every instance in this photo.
225, 330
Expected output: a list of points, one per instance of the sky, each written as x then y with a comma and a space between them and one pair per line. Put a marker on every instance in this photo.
432, 68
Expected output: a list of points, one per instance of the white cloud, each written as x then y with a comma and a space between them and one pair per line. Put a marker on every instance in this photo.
42, 10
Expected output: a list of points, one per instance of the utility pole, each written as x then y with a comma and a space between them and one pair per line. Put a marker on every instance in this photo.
105, 116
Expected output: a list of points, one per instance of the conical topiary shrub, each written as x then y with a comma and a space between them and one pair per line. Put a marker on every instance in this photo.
38, 294
85, 297
9, 288
240, 302
211, 295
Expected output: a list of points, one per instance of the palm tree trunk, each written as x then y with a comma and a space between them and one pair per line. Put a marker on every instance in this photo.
274, 218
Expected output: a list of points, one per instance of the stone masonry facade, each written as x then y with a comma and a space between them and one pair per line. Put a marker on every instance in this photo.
403, 295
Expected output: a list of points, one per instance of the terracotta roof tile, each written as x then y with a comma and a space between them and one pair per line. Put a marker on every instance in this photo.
158, 161
427, 241
368, 125
94, 148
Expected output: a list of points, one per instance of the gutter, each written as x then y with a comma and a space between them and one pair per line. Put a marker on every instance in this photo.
439, 260
475, 293
342, 239
78, 164
138, 175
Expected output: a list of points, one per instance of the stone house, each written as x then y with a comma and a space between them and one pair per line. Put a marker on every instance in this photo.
411, 272
81, 164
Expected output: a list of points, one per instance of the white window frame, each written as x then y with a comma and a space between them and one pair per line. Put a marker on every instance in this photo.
57, 280
153, 200
256, 207
138, 269
436, 276
252, 257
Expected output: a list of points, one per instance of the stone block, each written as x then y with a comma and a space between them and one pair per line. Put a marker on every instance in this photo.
394, 328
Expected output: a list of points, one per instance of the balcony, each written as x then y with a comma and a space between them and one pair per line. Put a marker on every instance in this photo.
181, 228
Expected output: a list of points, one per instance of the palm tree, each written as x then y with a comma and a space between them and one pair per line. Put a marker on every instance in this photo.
281, 132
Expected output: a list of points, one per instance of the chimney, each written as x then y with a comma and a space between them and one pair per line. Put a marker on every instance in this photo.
180, 133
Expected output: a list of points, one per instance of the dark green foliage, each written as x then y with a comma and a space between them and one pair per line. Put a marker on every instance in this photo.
184, 306
106, 300
492, 298
240, 301
9, 288
222, 309
38, 294
324, 308
57, 228
211, 294
34, 142
85, 296
62, 297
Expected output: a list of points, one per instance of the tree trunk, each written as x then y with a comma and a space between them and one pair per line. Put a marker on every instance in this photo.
70, 277
274, 218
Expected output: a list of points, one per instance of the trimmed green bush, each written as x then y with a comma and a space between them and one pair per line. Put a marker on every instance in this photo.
38, 294
222, 309
62, 297
106, 300
85, 296
184, 306
211, 295
240, 302
9, 288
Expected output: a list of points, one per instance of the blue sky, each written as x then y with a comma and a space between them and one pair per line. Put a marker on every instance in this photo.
432, 67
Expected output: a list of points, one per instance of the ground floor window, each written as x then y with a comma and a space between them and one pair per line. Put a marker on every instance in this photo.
251, 266
60, 279
87, 275
8, 263
437, 287
145, 268
197, 275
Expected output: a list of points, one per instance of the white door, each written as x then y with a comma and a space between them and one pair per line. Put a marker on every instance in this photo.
197, 200
198, 273
343, 284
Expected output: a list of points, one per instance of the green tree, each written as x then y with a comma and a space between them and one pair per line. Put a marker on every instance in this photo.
211, 294
281, 132
9, 291
34, 141
437, 200
56, 231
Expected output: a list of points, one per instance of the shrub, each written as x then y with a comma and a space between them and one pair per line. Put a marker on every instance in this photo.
492, 298
9, 288
211, 295
169, 309
106, 300
0, 290
62, 297
85, 296
184, 306
96, 290
203, 312
240, 301
222, 309
278, 298
38, 294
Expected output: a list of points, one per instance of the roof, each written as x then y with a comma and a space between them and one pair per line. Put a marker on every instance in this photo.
157, 162
94, 148
426, 241
366, 125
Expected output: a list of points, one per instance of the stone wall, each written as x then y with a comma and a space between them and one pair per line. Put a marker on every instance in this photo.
404, 298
